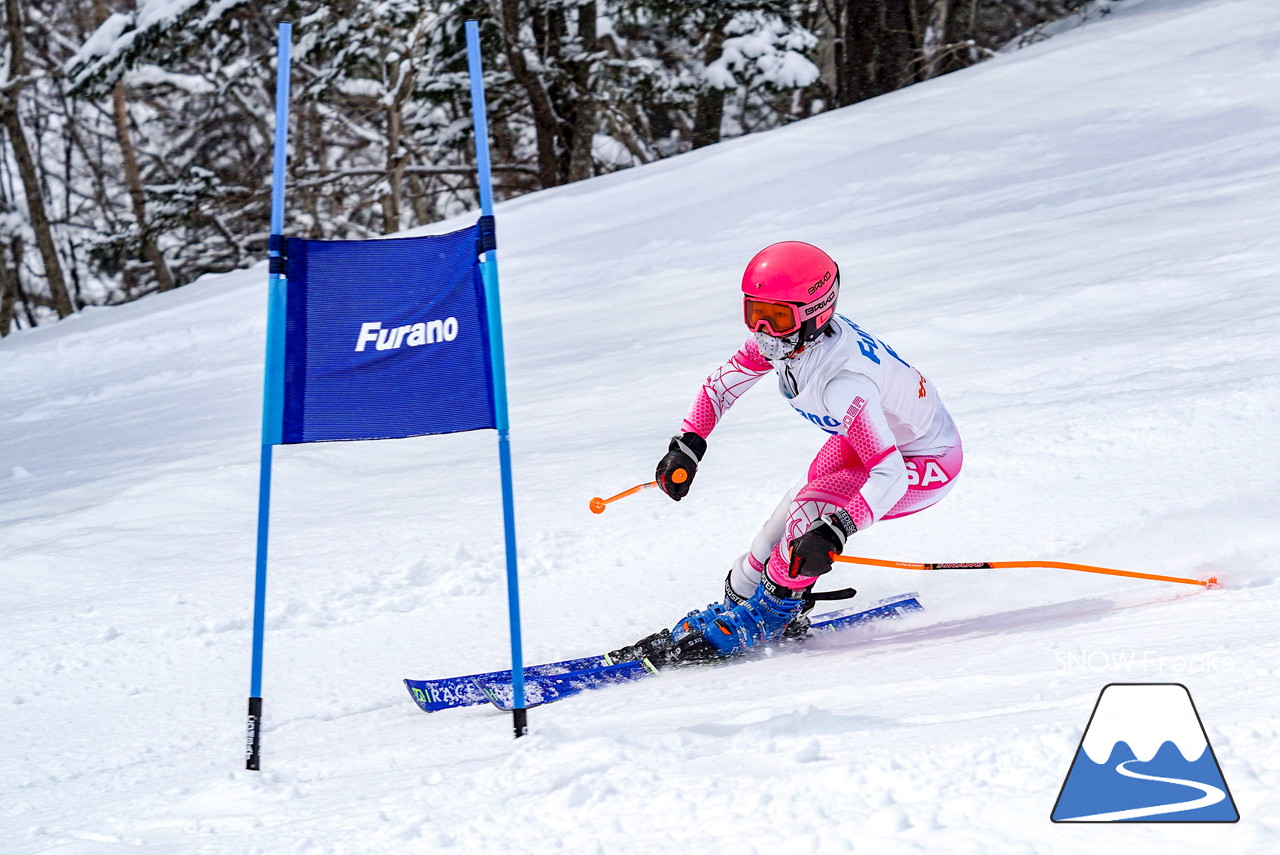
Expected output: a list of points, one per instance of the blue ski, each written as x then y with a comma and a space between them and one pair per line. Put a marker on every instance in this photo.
544, 690
888, 608
464, 691
553, 687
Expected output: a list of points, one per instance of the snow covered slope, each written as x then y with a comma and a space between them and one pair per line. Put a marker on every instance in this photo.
1077, 244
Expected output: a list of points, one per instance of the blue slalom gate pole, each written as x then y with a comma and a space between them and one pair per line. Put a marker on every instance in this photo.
273, 391
489, 272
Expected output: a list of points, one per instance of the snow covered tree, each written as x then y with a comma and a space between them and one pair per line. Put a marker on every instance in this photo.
720, 65
877, 47
137, 134
554, 53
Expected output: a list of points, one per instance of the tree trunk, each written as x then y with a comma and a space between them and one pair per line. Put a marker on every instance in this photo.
59, 299
544, 114
391, 200
133, 182
310, 157
879, 49
132, 176
962, 25
8, 291
709, 106
586, 112
401, 75
934, 39
15, 252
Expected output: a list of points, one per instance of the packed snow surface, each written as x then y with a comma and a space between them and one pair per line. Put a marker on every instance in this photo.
1076, 243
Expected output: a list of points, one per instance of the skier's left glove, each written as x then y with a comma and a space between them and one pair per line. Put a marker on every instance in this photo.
811, 551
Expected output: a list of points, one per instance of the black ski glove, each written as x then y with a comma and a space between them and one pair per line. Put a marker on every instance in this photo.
811, 551
684, 454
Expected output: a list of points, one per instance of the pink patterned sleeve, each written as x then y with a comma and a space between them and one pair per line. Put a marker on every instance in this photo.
725, 385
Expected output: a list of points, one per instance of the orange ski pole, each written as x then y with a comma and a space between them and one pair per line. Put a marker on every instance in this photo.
597, 504
1211, 582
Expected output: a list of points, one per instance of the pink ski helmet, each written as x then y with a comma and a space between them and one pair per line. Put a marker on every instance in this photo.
789, 295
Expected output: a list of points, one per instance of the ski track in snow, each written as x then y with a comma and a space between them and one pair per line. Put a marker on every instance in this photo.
1076, 243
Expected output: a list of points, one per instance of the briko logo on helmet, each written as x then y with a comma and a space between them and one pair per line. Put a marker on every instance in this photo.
826, 277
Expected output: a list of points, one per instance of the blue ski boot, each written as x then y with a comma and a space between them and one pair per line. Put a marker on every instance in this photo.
699, 619
681, 644
722, 629
764, 617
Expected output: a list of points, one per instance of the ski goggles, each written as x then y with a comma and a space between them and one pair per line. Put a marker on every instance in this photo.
776, 319
780, 319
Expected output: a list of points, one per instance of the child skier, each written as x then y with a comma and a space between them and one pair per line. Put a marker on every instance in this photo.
894, 449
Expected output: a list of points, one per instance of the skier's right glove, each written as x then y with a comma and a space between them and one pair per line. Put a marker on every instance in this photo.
683, 455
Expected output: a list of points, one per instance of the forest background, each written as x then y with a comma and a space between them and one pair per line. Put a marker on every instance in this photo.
135, 135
